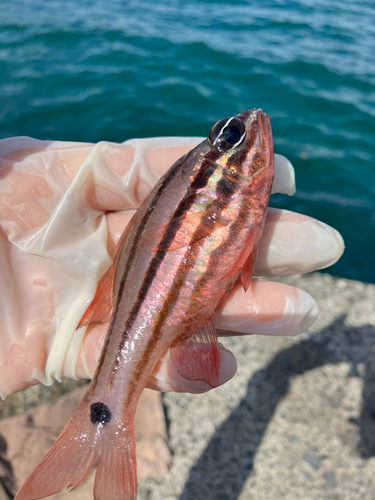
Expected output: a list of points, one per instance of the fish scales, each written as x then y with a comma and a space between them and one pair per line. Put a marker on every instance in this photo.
193, 237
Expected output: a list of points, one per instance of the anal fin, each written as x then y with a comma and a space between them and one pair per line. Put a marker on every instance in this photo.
198, 356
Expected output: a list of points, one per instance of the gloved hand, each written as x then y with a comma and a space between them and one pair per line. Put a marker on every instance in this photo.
63, 208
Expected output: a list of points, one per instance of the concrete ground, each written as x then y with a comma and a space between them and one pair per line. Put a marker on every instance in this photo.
297, 422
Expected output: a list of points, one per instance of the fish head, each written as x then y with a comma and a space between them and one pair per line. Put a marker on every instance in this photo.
243, 143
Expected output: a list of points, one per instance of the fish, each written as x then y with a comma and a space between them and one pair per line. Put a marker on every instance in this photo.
195, 235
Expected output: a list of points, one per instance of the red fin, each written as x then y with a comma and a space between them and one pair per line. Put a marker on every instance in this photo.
71, 457
198, 357
68, 461
102, 303
241, 260
190, 230
246, 261
123, 238
247, 269
116, 475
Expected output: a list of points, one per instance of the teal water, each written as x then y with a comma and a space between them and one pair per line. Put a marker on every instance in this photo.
85, 71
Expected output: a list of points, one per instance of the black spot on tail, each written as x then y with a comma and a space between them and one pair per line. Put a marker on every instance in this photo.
99, 412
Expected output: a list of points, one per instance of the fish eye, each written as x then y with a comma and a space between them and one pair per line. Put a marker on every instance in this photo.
227, 134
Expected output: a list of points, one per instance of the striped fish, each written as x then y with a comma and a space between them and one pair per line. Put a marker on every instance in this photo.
196, 234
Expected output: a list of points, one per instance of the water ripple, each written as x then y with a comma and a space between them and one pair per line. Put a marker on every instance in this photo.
89, 71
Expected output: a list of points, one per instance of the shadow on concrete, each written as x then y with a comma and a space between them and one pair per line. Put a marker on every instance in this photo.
7, 479
213, 476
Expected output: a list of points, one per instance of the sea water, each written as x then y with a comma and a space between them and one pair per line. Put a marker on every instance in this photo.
94, 70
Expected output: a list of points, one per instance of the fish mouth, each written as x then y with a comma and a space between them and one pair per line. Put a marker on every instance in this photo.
250, 115
264, 124
256, 116
258, 119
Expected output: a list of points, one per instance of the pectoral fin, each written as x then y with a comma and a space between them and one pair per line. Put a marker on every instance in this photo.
198, 356
247, 270
242, 259
246, 261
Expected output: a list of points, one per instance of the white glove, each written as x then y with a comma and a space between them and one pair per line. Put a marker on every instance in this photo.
64, 206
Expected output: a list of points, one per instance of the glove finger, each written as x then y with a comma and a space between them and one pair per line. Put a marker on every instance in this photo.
165, 376
122, 175
162, 158
150, 159
291, 243
104, 177
267, 308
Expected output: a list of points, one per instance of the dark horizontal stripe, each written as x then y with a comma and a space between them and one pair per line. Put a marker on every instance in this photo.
164, 182
201, 179
223, 196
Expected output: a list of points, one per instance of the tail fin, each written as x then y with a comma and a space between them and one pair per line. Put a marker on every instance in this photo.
116, 475
68, 461
71, 457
